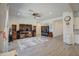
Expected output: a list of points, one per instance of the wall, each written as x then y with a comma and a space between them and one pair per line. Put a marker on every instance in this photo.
55, 25
17, 21
3, 17
76, 20
58, 28
76, 23
76, 26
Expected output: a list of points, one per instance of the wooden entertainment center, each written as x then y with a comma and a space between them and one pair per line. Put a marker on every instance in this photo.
25, 30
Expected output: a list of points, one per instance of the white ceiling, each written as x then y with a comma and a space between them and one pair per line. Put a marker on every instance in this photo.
46, 10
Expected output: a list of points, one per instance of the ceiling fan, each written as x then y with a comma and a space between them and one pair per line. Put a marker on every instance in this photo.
34, 14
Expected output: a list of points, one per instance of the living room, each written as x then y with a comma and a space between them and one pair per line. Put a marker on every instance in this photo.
34, 28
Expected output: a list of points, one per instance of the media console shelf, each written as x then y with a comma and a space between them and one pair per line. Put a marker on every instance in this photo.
25, 30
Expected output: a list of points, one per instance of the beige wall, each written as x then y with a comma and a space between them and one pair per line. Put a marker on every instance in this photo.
76, 23
2, 16
57, 28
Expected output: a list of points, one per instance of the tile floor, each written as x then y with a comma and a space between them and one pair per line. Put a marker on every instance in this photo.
52, 47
